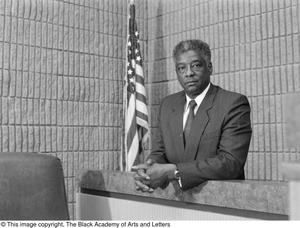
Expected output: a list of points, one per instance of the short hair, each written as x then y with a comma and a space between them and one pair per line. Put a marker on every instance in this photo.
196, 45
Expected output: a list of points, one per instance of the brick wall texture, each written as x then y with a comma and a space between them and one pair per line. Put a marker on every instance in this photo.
61, 70
62, 65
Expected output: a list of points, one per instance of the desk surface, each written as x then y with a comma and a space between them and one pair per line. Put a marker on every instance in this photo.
260, 196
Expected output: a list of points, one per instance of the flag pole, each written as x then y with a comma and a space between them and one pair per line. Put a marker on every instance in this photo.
123, 156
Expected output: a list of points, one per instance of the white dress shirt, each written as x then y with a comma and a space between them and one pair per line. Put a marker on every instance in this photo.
198, 100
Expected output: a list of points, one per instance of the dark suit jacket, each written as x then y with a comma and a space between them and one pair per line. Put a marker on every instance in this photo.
219, 141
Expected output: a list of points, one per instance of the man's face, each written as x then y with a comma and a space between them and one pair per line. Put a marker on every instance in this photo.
193, 72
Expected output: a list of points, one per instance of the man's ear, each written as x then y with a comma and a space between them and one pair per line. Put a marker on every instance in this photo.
210, 67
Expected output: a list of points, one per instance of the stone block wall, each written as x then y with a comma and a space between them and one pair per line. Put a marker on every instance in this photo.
255, 51
61, 72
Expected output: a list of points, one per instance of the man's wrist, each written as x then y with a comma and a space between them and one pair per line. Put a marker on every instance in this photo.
178, 178
171, 172
174, 174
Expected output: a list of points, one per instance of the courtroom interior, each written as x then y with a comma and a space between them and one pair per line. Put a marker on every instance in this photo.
62, 69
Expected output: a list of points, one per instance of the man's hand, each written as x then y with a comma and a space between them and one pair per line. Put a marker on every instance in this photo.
160, 174
142, 180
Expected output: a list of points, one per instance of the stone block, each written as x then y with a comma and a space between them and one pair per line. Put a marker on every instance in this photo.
60, 90
48, 112
282, 25
81, 64
274, 166
42, 85
42, 139
279, 136
288, 21
261, 166
248, 166
76, 63
12, 84
75, 145
11, 142
66, 88
268, 166
260, 110
13, 56
59, 139
290, 81
36, 112
5, 54
255, 165
18, 136
31, 85
30, 111
261, 133
290, 49
5, 138
255, 137
291, 116
23, 140
296, 70
37, 85
279, 162
295, 48
294, 18
23, 111
267, 138
264, 53
65, 139
30, 137
17, 111
276, 26
283, 79
41, 111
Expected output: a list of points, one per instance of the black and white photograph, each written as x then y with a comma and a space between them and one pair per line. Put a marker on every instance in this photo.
149, 113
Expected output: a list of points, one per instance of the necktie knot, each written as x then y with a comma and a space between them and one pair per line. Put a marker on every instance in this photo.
192, 105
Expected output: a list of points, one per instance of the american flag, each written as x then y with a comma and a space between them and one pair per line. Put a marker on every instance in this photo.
135, 106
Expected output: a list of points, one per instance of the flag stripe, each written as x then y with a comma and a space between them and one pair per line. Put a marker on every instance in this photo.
130, 135
140, 106
139, 70
130, 113
141, 97
141, 115
140, 88
133, 152
140, 79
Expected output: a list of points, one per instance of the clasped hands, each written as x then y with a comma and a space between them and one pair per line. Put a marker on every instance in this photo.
151, 175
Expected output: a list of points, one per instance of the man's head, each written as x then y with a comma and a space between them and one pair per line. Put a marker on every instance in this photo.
193, 66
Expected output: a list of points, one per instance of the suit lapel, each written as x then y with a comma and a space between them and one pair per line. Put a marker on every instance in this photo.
199, 124
177, 122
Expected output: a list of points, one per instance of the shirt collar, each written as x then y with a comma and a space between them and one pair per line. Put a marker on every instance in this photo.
198, 99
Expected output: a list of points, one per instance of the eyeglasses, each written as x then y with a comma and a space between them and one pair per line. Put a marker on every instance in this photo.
195, 67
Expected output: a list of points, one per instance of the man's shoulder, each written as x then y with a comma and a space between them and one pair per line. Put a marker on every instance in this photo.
229, 94
174, 97
224, 95
227, 98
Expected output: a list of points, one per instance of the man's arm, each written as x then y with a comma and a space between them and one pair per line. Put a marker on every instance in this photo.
231, 153
158, 151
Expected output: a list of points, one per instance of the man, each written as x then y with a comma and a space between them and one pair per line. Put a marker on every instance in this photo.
204, 131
